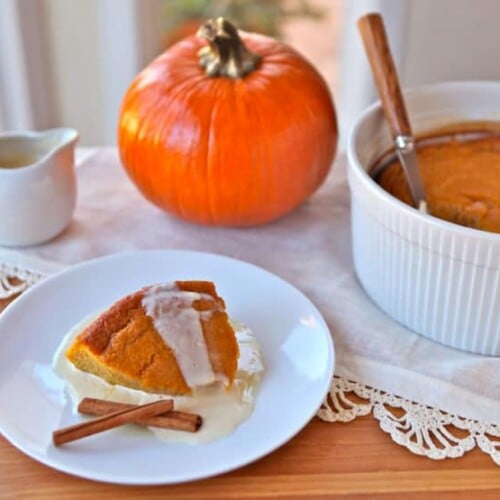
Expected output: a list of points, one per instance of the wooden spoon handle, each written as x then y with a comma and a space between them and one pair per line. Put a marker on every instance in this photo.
371, 28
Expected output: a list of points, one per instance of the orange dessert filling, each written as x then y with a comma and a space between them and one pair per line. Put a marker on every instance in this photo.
169, 338
461, 180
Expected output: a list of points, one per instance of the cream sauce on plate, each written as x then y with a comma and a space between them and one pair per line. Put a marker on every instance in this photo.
222, 409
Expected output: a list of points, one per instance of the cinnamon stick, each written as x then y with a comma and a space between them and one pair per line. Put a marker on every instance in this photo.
175, 420
109, 421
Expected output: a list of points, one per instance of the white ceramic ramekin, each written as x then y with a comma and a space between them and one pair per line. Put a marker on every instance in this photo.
439, 279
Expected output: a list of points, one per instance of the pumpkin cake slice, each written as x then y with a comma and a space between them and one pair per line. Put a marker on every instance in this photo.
168, 338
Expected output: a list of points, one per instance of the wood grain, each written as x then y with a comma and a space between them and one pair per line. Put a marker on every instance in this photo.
373, 34
355, 459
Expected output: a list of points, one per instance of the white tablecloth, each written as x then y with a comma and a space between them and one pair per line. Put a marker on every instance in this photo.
310, 248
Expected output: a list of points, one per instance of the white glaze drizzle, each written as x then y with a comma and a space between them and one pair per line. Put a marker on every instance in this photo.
179, 325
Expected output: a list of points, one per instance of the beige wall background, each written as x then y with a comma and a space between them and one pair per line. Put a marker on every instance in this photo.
75, 49
68, 62
97, 46
92, 49
452, 40
432, 40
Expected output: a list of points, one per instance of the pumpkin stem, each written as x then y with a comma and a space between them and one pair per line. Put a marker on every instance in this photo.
226, 54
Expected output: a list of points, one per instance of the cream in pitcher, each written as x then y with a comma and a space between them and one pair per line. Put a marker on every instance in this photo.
37, 185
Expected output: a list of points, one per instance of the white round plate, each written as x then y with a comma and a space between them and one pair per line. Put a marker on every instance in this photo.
296, 345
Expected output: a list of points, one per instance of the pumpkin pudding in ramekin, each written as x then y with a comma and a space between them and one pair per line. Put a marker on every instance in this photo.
461, 175
436, 277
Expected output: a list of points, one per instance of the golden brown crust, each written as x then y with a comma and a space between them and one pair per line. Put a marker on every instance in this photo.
98, 334
123, 347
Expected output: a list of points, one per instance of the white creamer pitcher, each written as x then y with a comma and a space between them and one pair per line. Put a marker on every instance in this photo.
37, 185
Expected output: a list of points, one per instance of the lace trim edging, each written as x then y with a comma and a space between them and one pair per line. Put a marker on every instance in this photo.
14, 280
421, 429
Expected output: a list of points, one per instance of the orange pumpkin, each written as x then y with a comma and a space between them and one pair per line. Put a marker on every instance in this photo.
237, 132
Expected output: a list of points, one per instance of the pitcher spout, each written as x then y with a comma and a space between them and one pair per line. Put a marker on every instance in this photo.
57, 139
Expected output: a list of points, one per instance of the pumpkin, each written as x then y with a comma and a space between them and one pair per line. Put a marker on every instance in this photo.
227, 128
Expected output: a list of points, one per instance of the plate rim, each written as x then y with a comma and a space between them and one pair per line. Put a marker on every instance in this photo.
136, 480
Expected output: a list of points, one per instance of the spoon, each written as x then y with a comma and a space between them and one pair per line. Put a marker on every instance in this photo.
373, 34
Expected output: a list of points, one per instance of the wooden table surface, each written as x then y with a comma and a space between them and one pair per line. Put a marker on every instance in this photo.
324, 460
